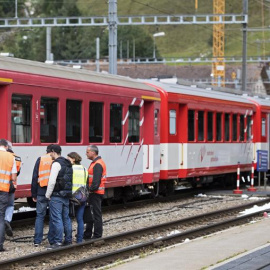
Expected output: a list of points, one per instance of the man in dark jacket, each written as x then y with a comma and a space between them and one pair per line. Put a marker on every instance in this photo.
39, 185
59, 191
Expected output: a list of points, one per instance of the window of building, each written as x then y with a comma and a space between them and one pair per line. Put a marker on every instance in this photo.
209, 126
134, 124
73, 121
115, 123
200, 125
191, 120
96, 122
218, 126
48, 120
21, 119
242, 128
249, 128
234, 131
263, 127
172, 122
227, 127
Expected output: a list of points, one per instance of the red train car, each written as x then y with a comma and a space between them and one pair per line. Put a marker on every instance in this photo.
43, 104
204, 135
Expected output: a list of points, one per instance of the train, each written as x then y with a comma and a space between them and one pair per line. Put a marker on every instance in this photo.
154, 137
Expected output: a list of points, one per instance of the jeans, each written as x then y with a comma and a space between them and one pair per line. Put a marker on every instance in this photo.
95, 200
10, 207
80, 223
3, 207
59, 220
41, 208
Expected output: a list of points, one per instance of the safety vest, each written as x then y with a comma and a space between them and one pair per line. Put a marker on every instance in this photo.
44, 170
18, 167
101, 189
79, 177
18, 162
6, 164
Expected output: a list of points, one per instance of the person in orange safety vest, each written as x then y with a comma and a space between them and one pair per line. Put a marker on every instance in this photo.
11, 195
8, 172
40, 179
97, 177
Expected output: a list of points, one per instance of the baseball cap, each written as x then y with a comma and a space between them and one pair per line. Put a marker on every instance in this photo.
56, 148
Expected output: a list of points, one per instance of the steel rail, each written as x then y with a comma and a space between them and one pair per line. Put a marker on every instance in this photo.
39, 256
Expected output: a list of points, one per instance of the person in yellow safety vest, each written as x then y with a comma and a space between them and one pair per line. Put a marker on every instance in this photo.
79, 179
40, 178
97, 177
8, 172
11, 195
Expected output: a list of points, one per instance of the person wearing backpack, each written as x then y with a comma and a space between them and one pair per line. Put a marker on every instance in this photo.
79, 181
59, 191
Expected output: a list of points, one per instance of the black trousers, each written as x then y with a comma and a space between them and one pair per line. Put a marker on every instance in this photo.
94, 229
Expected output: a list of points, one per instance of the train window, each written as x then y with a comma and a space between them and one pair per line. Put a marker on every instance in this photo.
134, 124
73, 121
191, 120
21, 119
242, 128
218, 126
172, 122
115, 123
210, 126
234, 131
96, 122
48, 120
263, 127
156, 121
227, 127
249, 128
200, 125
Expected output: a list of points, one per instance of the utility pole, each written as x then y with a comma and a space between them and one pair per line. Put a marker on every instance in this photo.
112, 36
244, 50
97, 55
16, 9
49, 43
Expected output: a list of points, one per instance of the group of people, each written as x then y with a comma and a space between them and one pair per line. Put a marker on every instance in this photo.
55, 179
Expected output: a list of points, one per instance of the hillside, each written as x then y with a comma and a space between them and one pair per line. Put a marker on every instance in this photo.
195, 40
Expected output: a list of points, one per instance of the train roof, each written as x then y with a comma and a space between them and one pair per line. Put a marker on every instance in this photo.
200, 92
42, 69
262, 101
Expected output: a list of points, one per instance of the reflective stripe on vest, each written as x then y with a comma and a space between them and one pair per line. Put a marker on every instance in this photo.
79, 177
6, 164
44, 170
101, 189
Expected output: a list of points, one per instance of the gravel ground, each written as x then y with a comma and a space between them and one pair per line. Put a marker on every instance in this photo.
131, 219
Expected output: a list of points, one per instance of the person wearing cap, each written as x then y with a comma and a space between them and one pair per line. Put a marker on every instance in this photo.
97, 177
8, 172
58, 192
11, 194
40, 179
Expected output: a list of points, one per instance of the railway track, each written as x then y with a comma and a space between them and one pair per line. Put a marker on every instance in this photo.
98, 252
28, 218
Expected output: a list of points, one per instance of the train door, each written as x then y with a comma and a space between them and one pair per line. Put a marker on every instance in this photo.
151, 142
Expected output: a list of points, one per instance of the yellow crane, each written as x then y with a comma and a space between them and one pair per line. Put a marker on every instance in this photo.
218, 65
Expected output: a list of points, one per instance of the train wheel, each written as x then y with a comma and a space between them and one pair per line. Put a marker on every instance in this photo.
30, 202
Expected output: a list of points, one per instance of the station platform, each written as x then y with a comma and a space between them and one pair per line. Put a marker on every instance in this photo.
244, 247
